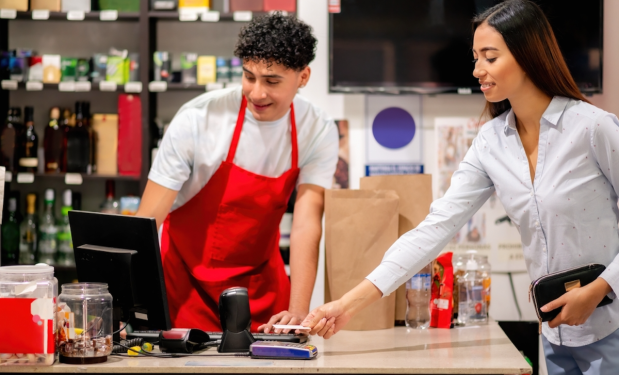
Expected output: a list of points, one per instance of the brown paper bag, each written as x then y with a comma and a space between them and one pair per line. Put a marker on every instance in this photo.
360, 226
415, 193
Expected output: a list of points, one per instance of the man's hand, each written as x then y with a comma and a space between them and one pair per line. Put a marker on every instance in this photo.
327, 320
284, 317
578, 304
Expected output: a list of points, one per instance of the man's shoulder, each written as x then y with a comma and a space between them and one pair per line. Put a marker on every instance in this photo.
220, 99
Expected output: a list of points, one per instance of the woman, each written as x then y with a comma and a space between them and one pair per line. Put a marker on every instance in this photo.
553, 160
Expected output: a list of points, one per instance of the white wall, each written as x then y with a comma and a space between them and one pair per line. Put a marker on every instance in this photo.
352, 108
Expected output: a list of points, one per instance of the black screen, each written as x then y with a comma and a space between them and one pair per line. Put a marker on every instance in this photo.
425, 45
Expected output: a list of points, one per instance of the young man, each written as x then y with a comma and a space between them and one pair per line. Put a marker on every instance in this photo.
224, 173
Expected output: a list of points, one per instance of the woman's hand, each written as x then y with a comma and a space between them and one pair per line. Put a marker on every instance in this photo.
327, 320
578, 304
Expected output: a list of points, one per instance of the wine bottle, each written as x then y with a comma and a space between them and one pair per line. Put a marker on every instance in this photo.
28, 232
10, 236
8, 139
78, 143
28, 145
53, 142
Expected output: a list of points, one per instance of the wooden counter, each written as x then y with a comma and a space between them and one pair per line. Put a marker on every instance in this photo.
470, 350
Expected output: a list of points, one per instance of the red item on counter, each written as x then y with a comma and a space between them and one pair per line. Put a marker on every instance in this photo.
29, 327
129, 135
240, 5
441, 305
285, 5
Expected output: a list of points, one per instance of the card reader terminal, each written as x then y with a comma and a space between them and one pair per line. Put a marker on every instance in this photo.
282, 350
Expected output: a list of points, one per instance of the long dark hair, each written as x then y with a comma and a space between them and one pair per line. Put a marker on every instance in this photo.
532, 42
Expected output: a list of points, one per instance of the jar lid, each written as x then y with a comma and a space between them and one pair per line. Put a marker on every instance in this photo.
84, 287
40, 268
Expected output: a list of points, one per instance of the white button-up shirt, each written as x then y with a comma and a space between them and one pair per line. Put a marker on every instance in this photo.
566, 218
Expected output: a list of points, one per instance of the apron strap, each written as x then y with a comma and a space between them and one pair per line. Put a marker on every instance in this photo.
293, 138
239, 126
237, 130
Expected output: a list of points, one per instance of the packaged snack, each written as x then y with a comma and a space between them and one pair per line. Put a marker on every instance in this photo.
129, 205
441, 305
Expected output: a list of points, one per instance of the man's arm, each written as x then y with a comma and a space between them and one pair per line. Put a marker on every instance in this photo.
304, 242
156, 202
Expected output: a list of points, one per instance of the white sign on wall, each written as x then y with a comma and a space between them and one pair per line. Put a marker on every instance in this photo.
393, 133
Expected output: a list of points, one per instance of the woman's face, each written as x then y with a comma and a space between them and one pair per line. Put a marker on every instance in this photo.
498, 73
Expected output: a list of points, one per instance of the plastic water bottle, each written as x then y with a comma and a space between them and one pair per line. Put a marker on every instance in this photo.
418, 290
472, 305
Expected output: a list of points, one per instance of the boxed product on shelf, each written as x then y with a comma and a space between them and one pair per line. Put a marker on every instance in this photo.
99, 67
106, 147
189, 63
83, 5
21, 5
194, 4
18, 68
207, 70
35, 70
133, 67
163, 4
68, 66
286, 5
116, 70
253, 5
82, 70
163, 66
129, 135
51, 5
51, 68
236, 70
120, 5
223, 70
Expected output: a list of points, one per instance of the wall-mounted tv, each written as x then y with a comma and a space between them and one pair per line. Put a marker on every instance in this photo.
424, 46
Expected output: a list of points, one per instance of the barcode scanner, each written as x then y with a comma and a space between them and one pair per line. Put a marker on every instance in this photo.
235, 319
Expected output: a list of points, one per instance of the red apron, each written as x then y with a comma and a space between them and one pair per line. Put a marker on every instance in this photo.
226, 236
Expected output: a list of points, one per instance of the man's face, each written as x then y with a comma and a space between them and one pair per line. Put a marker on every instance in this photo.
270, 89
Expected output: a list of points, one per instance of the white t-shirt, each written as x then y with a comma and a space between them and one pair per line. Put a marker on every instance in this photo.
199, 137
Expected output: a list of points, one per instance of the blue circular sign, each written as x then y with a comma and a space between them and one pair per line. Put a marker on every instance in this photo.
393, 128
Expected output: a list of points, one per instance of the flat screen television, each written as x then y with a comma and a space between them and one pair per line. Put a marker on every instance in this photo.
424, 46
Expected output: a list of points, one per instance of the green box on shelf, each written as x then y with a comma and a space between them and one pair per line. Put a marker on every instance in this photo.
117, 70
120, 5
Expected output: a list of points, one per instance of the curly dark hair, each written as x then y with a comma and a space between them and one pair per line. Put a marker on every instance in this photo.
278, 39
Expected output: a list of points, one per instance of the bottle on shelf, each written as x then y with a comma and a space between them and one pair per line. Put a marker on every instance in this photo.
28, 232
10, 236
48, 231
110, 205
78, 143
28, 144
67, 123
65, 244
8, 139
92, 137
53, 141
418, 293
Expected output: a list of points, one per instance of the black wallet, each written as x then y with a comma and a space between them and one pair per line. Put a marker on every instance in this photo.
552, 286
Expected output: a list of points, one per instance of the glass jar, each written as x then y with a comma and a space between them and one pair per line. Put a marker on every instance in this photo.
84, 323
28, 297
459, 265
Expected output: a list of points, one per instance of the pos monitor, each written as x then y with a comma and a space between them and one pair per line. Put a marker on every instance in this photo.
123, 252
